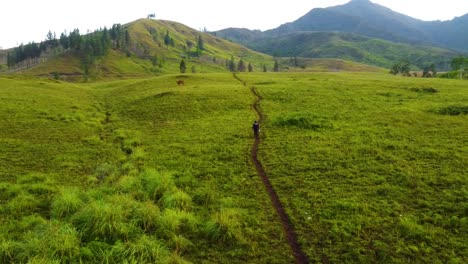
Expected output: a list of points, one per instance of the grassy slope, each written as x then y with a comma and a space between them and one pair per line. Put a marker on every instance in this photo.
148, 171
79, 162
367, 169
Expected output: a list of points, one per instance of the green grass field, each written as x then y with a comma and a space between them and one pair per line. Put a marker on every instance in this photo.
371, 168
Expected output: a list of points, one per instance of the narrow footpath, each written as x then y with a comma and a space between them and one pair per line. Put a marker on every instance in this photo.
291, 237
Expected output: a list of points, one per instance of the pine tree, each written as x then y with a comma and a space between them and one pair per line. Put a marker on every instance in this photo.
250, 67
232, 64
167, 39
182, 66
241, 66
276, 66
200, 43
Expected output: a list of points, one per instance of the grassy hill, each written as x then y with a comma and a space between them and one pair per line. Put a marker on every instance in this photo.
147, 54
370, 168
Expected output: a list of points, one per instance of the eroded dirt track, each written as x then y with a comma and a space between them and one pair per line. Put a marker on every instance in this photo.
291, 237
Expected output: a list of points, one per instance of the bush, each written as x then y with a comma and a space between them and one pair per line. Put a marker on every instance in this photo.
302, 120
453, 110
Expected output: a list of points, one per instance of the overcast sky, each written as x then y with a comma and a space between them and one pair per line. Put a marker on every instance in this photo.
23, 21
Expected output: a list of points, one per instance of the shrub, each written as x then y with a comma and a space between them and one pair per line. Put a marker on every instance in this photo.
425, 90
302, 120
453, 110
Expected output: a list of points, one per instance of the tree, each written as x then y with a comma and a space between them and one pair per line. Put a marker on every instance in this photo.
200, 43
403, 67
460, 64
167, 39
189, 45
276, 66
182, 66
250, 67
241, 66
232, 64
264, 68
64, 42
429, 70
154, 60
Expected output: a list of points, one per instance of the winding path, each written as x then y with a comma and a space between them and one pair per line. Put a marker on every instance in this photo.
291, 237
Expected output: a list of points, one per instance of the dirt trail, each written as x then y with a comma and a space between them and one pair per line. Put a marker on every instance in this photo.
291, 237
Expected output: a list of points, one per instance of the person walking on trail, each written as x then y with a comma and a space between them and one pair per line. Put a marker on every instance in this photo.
256, 128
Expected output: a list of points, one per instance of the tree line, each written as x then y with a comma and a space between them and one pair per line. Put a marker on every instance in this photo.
459, 67
89, 46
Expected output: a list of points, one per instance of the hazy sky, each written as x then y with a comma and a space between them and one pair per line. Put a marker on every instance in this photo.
23, 21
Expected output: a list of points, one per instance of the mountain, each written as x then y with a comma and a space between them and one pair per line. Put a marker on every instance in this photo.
359, 18
353, 47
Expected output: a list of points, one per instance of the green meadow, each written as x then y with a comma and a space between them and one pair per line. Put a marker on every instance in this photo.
371, 168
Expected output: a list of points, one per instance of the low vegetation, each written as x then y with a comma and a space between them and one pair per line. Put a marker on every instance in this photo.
370, 167
369, 170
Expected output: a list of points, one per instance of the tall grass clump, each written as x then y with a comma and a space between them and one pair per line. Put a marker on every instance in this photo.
67, 202
8, 250
23, 204
108, 220
177, 200
54, 240
128, 140
207, 194
225, 226
146, 249
177, 222
156, 184
147, 216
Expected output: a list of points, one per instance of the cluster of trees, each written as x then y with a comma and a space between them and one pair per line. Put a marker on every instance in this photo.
403, 68
232, 66
89, 46
460, 65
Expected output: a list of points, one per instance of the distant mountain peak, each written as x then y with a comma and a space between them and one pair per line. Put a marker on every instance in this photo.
361, 1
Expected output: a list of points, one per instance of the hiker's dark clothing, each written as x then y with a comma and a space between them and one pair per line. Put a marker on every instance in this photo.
256, 128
